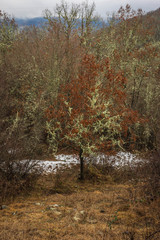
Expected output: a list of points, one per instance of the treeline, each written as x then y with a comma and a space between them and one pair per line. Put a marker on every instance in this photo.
38, 65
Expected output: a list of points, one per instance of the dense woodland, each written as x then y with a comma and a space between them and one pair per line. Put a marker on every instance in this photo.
79, 84
76, 62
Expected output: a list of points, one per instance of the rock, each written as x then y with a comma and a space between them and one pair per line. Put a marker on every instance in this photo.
79, 216
54, 205
57, 213
54, 209
92, 221
76, 218
2, 207
38, 204
82, 212
50, 208
14, 213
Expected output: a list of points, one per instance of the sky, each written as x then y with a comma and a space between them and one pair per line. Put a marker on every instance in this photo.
35, 8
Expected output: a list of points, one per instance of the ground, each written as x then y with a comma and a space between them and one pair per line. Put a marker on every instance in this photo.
69, 210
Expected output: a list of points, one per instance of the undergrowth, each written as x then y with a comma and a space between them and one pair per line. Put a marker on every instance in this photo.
111, 203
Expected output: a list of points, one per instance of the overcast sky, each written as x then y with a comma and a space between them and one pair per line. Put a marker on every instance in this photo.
34, 8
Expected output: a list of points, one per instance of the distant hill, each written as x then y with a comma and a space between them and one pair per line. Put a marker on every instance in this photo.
38, 21
155, 16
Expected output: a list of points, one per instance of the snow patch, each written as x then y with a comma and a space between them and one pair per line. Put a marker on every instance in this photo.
121, 159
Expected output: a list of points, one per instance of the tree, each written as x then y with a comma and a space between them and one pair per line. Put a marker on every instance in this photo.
70, 26
17, 110
90, 113
129, 42
7, 33
7, 37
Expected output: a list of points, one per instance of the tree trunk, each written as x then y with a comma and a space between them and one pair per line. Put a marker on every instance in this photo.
81, 165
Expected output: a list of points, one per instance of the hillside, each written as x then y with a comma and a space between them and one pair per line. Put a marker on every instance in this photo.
155, 15
75, 100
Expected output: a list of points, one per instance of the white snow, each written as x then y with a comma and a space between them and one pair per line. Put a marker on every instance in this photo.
120, 159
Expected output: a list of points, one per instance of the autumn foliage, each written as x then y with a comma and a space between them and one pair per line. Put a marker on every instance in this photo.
90, 113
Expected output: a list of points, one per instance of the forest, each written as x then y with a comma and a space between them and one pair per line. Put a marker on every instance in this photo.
79, 84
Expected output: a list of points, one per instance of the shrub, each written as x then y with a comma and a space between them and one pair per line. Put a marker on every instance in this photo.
17, 174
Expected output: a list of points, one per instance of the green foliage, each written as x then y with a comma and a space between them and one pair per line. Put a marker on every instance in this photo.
113, 220
7, 31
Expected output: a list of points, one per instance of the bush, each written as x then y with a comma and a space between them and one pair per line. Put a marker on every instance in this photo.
18, 170
151, 173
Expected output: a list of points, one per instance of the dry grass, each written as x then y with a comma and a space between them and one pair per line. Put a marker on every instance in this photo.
85, 211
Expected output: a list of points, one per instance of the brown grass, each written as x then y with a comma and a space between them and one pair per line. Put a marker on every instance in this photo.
86, 211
